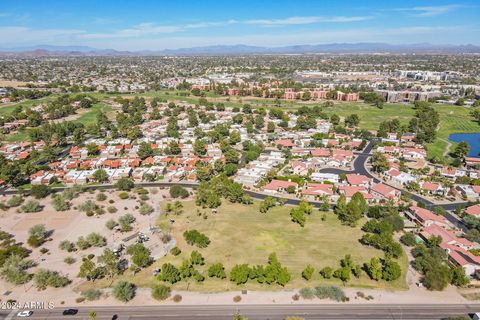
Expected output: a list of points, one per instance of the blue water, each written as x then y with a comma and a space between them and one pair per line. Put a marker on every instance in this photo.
473, 139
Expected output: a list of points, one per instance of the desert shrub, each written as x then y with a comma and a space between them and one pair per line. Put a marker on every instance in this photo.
79, 299
194, 237
96, 240
46, 278
307, 293
67, 246
31, 206
144, 197
69, 260
110, 224
101, 196
175, 251
40, 191
87, 206
126, 221
237, 299
177, 298
330, 292
295, 297
59, 203
44, 250
177, 191
15, 201
123, 291
82, 244
112, 209
145, 209
91, 294
160, 292
123, 195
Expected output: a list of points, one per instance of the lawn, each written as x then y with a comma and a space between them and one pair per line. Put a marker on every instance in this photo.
241, 234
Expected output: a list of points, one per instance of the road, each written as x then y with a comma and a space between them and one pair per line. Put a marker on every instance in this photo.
264, 312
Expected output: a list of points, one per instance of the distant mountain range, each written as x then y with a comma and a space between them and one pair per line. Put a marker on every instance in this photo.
240, 49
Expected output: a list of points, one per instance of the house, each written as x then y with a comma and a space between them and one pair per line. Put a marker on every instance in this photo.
426, 218
461, 257
448, 237
280, 186
473, 210
383, 191
355, 179
318, 189
432, 188
322, 177
299, 168
284, 143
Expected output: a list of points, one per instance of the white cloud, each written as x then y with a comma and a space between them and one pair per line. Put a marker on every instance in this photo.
306, 20
429, 11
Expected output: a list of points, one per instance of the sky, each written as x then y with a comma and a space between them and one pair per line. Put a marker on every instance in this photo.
155, 25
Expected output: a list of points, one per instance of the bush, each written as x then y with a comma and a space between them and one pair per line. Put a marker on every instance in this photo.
326, 272
67, 246
15, 201
123, 291
194, 237
175, 251
96, 240
59, 203
92, 294
46, 278
79, 299
40, 191
145, 209
408, 239
101, 196
160, 292
87, 206
110, 224
31, 206
69, 260
124, 184
177, 191
112, 209
177, 298
82, 244
126, 221
123, 195
330, 292
237, 299
307, 293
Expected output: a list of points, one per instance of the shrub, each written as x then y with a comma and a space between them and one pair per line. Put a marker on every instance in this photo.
295, 297
123, 195
40, 191
87, 206
101, 196
67, 246
110, 224
237, 299
194, 237
408, 239
123, 291
326, 272
31, 206
82, 244
46, 278
145, 209
44, 250
160, 292
15, 201
69, 260
92, 294
59, 203
144, 197
177, 298
96, 240
175, 251
112, 209
307, 273
79, 299
330, 292
307, 293
124, 184
177, 191
125, 222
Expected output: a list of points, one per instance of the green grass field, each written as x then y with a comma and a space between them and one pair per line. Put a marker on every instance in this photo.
241, 234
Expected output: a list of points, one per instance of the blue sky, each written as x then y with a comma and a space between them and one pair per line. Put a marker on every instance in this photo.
145, 24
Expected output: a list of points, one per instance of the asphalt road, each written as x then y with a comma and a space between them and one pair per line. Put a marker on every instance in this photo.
264, 312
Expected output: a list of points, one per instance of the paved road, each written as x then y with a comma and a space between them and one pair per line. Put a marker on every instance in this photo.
264, 312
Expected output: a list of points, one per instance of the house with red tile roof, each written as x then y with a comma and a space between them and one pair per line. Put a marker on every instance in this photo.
426, 218
355, 179
318, 190
432, 188
473, 210
449, 237
280, 186
284, 143
383, 191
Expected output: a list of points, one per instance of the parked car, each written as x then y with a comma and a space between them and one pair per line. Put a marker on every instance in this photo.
25, 313
70, 312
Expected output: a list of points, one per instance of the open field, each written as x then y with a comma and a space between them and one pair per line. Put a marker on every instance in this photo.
241, 234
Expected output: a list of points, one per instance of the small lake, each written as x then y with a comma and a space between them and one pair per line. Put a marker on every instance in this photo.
473, 139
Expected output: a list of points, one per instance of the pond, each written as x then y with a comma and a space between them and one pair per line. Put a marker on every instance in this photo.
473, 139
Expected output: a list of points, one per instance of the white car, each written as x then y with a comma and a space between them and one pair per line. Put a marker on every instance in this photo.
25, 313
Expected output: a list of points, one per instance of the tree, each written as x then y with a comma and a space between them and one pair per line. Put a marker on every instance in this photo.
100, 175
298, 216
459, 278
335, 119
374, 269
391, 270
59, 203
194, 237
40, 191
343, 274
462, 149
240, 273
217, 270
46, 278
124, 184
197, 258
177, 191
111, 262
123, 291
307, 273
326, 272
352, 120
379, 162
145, 150
169, 273
87, 270
140, 255
14, 269
351, 214
160, 292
